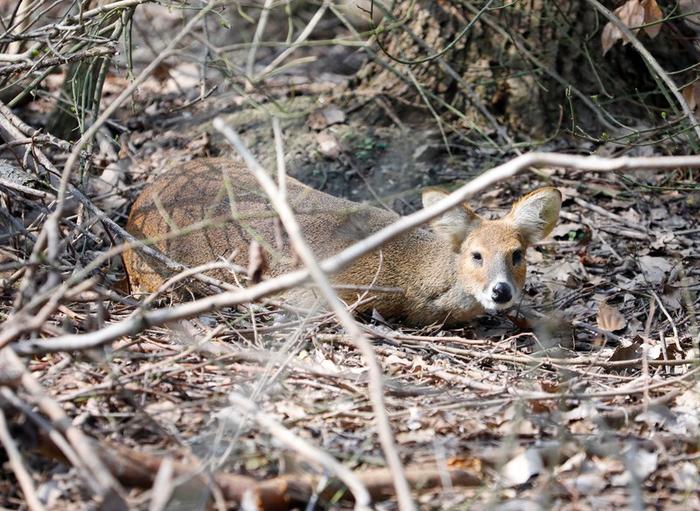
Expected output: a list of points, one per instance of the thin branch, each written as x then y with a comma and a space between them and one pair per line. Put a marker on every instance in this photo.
184, 274
121, 4
259, 30
119, 100
300, 39
343, 259
96, 474
305, 449
670, 320
15, 459
303, 250
652, 62
55, 61
139, 469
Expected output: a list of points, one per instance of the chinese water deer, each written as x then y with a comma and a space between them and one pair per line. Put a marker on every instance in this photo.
463, 265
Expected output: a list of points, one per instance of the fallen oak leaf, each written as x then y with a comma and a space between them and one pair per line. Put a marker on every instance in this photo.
328, 145
550, 386
609, 36
475, 465
610, 319
631, 13
654, 269
521, 322
591, 260
652, 14
321, 118
640, 464
691, 94
626, 351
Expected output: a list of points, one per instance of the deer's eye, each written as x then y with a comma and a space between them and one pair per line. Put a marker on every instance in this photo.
476, 256
517, 257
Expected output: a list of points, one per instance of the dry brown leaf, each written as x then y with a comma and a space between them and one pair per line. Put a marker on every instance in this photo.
321, 118
257, 263
652, 13
642, 465
200, 145
466, 463
631, 13
609, 36
625, 352
162, 71
587, 484
164, 413
610, 319
691, 94
654, 269
592, 260
539, 407
550, 386
328, 145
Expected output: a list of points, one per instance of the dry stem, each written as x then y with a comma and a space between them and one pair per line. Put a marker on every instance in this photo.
305, 449
652, 62
305, 253
343, 259
15, 460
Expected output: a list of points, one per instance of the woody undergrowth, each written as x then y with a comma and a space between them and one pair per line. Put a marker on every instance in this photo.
590, 398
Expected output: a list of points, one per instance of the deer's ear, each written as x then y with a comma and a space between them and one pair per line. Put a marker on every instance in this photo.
455, 224
536, 214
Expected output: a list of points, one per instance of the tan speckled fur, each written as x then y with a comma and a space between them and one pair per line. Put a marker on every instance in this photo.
435, 270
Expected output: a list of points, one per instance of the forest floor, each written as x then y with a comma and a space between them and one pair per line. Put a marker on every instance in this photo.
594, 405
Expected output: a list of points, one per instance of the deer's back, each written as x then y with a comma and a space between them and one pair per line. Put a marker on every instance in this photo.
207, 209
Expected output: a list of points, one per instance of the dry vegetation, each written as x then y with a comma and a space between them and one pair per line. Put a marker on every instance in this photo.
586, 397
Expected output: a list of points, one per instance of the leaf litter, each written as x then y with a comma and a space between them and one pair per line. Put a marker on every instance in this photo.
592, 403
482, 393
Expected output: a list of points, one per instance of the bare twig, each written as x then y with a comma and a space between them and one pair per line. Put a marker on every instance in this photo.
139, 469
344, 258
15, 459
162, 485
670, 320
55, 61
304, 449
259, 30
95, 473
121, 4
302, 249
299, 40
25, 189
184, 274
652, 62
119, 100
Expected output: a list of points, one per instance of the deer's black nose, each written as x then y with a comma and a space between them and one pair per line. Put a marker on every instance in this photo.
502, 293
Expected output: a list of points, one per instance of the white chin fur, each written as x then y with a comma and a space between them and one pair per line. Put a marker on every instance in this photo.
491, 306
